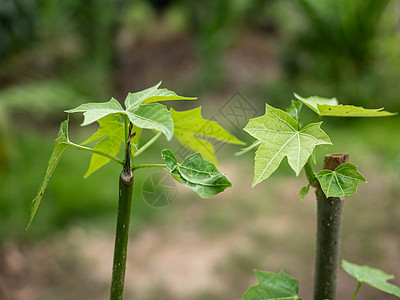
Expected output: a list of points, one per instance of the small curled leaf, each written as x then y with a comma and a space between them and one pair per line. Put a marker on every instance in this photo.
196, 173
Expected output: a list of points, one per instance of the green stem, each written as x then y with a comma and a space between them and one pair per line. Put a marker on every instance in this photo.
147, 145
356, 292
127, 123
121, 235
310, 173
79, 147
329, 223
149, 166
122, 229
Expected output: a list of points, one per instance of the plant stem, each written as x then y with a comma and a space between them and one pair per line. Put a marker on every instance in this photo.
147, 145
79, 147
356, 292
122, 230
310, 173
329, 221
149, 166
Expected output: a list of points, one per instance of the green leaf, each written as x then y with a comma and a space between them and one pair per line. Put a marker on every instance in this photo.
330, 107
95, 111
371, 276
140, 111
152, 116
280, 137
61, 144
112, 133
196, 173
294, 109
152, 94
342, 182
273, 286
304, 191
194, 132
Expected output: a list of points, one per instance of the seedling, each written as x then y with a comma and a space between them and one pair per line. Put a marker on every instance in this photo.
118, 125
280, 134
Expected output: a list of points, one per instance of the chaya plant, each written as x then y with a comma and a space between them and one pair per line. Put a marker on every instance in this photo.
118, 125
280, 134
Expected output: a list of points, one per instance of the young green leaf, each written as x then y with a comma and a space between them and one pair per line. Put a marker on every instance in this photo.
280, 137
304, 191
294, 109
111, 132
139, 109
371, 276
273, 286
342, 182
330, 107
196, 173
61, 144
152, 116
152, 94
194, 132
95, 111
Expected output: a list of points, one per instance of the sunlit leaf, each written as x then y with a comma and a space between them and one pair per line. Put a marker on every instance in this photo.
330, 107
342, 182
152, 94
139, 109
196, 173
112, 133
195, 133
371, 276
280, 137
152, 116
95, 111
272, 286
61, 144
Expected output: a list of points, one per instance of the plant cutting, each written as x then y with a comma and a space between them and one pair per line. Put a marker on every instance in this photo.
123, 126
280, 134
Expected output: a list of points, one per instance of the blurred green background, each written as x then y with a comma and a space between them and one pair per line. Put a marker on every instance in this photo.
55, 55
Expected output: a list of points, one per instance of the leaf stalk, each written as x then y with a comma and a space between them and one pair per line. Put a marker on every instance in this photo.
356, 291
149, 166
147, 145
80, 147
308, 169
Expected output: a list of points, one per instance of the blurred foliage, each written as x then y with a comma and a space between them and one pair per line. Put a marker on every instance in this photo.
17, 25
336, 34
343, 48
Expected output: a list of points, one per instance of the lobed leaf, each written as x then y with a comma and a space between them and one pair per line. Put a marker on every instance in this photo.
139, 109
152, 94
331, 107
61, 144
342, 182
152, 116
112, 133
196, 173
273, 286
371, 276
195, 133
95, 111
280, 138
